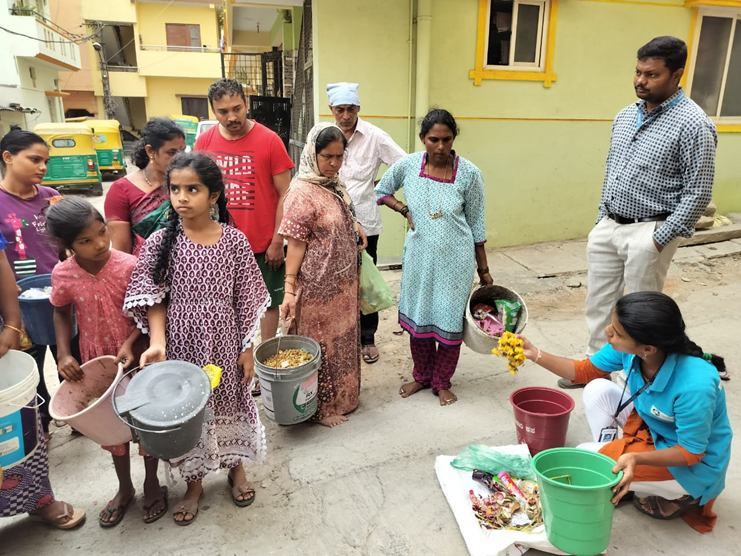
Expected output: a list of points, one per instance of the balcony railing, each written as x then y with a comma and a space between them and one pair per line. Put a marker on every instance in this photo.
170, 48
30, 12
113, 67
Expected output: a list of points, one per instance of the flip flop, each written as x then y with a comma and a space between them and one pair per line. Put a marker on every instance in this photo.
367, 357
654, 507
241, 490
121, 513
187, 507
76, 517
152, 519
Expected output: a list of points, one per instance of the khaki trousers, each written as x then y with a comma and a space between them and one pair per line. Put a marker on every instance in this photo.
621, 257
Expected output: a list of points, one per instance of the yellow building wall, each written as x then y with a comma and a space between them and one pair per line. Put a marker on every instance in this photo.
541, 150
127, 84
120, 11
152, 19
162, 100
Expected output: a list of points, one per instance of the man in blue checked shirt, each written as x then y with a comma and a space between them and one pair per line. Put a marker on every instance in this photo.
658, 183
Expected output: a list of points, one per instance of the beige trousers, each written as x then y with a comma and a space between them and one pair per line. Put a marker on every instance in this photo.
620, 257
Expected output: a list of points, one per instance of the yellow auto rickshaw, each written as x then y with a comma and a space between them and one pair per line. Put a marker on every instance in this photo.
73, 162
108, 144
189, 125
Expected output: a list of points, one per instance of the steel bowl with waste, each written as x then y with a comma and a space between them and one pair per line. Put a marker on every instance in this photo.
165, 407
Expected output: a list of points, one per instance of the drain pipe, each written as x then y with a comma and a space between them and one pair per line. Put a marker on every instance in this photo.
424, 39
410, 84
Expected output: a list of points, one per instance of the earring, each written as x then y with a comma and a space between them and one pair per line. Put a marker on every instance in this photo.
644, 356
214, 213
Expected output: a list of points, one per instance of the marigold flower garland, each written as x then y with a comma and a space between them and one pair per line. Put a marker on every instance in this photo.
510, 347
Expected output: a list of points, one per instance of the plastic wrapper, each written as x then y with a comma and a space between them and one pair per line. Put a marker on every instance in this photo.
490, 460
509, 312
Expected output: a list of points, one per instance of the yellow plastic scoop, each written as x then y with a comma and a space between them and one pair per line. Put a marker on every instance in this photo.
214, 375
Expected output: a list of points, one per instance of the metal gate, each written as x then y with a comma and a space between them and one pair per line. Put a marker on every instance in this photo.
302, 117
261, 74
274, 113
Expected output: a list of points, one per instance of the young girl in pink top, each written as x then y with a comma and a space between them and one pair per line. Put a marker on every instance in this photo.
94, 279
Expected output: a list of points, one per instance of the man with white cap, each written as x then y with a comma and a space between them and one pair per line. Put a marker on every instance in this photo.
367, 147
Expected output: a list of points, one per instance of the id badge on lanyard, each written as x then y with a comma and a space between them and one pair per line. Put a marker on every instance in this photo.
608, 434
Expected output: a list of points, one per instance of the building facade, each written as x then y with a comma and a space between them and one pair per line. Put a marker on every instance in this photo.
534, 86
34, 49
159, 57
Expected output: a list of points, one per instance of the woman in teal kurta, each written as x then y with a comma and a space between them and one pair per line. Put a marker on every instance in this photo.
447, 232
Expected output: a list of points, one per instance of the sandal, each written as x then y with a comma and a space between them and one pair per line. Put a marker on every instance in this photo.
654, 507
163, 511
76, 517
368, 357
187, 507
121, 513
242, 490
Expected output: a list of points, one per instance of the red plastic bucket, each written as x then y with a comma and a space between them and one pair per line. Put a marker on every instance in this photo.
541, 417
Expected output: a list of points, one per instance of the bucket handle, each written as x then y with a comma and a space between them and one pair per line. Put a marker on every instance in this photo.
38, 397
128, 423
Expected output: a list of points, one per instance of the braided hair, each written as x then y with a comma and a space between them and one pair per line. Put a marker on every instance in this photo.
654, 319
210, 175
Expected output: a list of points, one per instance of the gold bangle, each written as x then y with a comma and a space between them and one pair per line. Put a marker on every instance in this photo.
291, 293
20, 332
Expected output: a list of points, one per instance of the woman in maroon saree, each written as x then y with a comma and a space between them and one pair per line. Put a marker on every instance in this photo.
134, 203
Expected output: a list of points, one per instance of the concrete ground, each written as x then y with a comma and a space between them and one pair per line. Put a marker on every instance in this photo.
368, 487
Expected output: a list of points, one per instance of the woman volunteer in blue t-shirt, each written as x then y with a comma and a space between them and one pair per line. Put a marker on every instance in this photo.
676, 440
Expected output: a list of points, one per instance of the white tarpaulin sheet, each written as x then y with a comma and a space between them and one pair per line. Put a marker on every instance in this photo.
480, 542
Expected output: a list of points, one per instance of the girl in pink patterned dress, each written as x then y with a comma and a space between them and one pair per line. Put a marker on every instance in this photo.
198, 292
94, 279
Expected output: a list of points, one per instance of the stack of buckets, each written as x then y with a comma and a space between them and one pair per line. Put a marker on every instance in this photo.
575, 485
19, 429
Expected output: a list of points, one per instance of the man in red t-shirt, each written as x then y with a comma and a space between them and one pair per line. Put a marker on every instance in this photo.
257, 172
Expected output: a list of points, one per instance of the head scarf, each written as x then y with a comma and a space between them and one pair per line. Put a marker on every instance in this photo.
308, 169
343, 93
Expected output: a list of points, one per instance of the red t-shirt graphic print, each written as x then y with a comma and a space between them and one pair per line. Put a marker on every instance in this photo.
248, 165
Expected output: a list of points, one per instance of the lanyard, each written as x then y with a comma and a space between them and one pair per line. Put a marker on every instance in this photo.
639, 117
622, 405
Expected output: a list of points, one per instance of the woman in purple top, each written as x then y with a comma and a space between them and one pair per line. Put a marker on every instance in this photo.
24, 159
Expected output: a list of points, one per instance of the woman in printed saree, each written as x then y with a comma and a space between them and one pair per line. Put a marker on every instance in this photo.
137, 204
322, 270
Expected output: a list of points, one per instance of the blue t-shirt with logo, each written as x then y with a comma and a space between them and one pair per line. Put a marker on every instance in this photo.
685, 406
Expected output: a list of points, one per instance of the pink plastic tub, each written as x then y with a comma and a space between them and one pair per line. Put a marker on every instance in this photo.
97, 421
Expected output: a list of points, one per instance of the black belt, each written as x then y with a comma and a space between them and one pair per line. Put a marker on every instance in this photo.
622, 220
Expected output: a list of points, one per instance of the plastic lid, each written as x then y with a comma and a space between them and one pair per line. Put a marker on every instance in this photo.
174, 391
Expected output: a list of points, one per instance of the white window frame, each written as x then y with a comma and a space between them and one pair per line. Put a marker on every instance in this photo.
542, 40
730, 13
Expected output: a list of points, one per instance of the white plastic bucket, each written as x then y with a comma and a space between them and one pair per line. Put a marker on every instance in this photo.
19, 432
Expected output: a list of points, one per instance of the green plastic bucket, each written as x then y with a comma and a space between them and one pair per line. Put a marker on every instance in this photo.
575, 492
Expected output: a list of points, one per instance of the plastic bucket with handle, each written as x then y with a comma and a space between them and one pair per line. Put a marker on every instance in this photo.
475, 338
86, 405
165, 406
289, 396
541, 417
575, 492
38, 314
19, 432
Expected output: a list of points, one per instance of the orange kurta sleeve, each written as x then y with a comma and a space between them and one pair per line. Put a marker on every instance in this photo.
689, 457
587, 372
